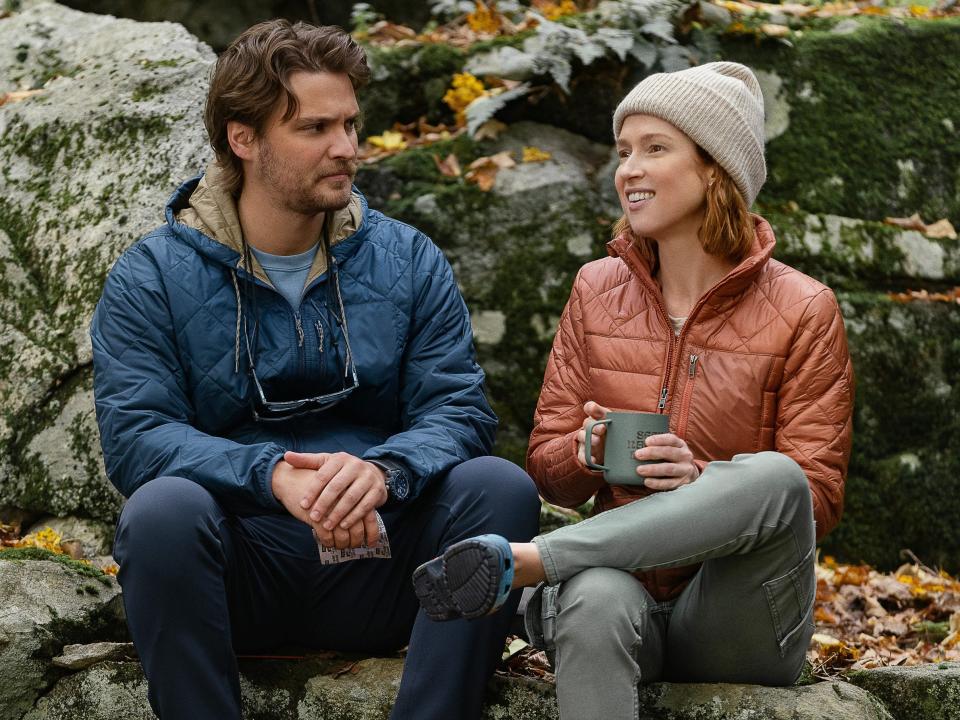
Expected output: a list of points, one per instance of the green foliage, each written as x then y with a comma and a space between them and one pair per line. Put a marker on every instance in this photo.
79, 568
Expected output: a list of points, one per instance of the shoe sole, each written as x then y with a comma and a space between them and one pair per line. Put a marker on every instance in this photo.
469, 581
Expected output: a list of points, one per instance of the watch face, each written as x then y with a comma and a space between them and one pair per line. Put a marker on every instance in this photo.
397, 483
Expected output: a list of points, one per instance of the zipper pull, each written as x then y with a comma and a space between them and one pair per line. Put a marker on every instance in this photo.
693, 364
296, 317
320, 335
663, 399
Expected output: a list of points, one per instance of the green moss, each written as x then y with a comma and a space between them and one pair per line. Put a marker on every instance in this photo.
79, 568
146, 90
905, 470
866, 107
154, 64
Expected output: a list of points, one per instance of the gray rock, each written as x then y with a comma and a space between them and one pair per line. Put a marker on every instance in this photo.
80, 657
821, 701
365, 690
96, 537
924, 692
85, 165
44, 605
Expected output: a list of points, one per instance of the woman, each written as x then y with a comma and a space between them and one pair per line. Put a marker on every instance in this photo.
711, 576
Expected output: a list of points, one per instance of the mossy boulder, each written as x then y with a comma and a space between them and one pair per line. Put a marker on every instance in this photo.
925, 692
84, 166
364, 689
905, 470
867, 118
47, 603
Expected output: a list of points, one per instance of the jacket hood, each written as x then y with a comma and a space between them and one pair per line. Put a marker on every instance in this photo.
204, 214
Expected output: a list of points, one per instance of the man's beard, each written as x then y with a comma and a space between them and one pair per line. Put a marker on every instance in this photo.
303, 195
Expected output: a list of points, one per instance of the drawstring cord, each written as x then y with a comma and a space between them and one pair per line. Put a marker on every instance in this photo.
236, 344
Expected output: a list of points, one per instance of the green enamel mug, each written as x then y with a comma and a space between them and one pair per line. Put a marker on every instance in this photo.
626, 433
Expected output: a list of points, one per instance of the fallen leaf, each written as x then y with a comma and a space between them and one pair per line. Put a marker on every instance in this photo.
449, 166
485, 19
911, 223
72, 548
390, 141
17, 96
535, 155
941, 229
490, 130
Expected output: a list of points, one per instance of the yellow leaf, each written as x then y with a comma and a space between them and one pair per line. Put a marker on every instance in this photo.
919, 10
46, 539
465, 88
535, 154
552, 10
391, 141
485, 18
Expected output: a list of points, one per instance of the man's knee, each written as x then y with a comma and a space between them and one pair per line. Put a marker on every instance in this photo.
495, 492
497, 480
169, 514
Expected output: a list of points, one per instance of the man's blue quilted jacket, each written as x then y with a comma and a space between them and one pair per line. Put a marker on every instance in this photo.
170, 400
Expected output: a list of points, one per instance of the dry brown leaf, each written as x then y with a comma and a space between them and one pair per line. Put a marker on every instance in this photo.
449, 166
911, 223
17, 96
941, 229
490, 130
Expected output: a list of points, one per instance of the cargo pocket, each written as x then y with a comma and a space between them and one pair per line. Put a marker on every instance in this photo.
790, 598
540, 619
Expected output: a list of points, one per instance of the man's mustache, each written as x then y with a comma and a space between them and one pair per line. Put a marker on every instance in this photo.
341, 167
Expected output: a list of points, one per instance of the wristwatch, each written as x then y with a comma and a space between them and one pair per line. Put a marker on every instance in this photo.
396, 478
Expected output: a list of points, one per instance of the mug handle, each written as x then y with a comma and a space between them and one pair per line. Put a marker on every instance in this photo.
588, 435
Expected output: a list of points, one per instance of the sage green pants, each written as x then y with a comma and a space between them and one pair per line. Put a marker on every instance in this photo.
745, 617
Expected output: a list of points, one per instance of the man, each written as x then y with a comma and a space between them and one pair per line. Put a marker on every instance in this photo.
280, 367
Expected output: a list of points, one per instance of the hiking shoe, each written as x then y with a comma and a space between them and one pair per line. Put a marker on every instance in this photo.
471, 579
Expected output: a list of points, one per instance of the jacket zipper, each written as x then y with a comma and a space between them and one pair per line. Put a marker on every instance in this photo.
302, 355
687, 395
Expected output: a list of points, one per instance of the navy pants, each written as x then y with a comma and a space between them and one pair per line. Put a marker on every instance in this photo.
201, 585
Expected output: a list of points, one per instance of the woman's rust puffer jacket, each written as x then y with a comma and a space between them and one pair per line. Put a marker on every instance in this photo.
761, 364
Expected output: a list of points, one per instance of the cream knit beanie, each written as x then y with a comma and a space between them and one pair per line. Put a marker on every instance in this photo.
719, 106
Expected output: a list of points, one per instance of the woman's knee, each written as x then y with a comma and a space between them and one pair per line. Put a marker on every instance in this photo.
602, 604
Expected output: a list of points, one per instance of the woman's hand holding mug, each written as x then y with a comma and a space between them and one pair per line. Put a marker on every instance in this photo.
670, 462
676, 467
594, 412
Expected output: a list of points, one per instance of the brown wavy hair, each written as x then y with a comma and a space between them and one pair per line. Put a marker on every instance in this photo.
253, 74
727, 231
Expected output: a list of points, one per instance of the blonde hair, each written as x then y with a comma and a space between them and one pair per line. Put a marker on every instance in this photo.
727, 230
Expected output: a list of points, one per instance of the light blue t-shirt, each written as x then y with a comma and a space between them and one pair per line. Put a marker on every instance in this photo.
288, 273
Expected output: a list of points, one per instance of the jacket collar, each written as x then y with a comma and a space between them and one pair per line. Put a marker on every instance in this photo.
730, 287
204, 213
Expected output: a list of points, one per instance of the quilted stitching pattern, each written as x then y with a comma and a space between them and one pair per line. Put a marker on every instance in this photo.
170, 402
